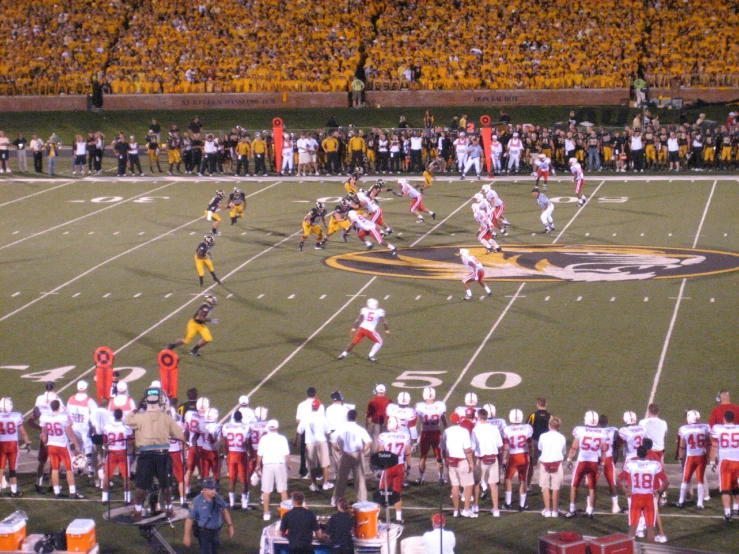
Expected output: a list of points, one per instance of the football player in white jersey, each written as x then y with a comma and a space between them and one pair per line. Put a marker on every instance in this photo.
81, 408
477, 273
366, 326
57, 434
193, 421
470, 401
517, 450
590, 444
368, 201
11, 423
609, 468
209, 443
247, 414
694, 442
406, 415
399, 443
41, 407
579, 178
496, 154
725, 448
483, 215
543, 164
365, 227
432, 415
631, 435
417, 208
235, 437
461, 143
116, 437
499, 219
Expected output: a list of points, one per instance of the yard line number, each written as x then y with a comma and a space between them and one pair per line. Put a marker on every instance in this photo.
491, 380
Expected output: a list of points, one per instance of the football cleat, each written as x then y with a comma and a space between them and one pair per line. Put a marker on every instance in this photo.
371, 358
433, 215
343, 355
194, 352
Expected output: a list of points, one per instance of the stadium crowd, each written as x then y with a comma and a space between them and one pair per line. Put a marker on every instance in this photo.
198, 46
646, 144
475, 449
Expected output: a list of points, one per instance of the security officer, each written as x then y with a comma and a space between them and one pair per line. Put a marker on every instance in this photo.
208, 514
153, 430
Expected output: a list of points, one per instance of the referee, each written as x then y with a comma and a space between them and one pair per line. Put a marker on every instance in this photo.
153, 430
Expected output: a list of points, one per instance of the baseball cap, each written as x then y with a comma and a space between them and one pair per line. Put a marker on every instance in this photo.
380, 389
209, 483
273, 424
121, 387
156, 384
454, 418
316, 404
82, 385
438, 520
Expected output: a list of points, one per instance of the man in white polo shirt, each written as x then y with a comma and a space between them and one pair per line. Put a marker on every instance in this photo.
457, 447
486, 443
657, 431
304, 410
352, 443
552, 446
315, 430
273, 460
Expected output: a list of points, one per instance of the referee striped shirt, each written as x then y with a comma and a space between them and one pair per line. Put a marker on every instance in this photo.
543, 201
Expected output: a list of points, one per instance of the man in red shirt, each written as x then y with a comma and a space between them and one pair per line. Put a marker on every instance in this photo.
724, 404
377, 415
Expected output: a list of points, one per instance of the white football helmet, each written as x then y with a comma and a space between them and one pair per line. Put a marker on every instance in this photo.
490, 409
373, 304
262, 413
591, 418
486, 188
470, 399
122, 388
404, 399
202, 404
630, 418
352, 215
464, 252
478, 197
403, 182
6, 405
516, 416
392, 423
429, 393
211, 415
243, 400
573, 161
693, 416
79, 463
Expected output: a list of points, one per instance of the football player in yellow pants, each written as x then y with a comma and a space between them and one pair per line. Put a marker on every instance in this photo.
339, 221
310, 225
203, 258
197, 326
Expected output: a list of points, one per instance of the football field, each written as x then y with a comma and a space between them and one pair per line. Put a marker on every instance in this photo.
632, 299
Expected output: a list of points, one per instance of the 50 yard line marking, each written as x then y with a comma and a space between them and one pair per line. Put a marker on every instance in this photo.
471, 361
670, 329
101, 264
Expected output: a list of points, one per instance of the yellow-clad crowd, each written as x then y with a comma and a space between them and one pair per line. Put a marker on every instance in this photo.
698, 46
55, 47
506, 44
161, 46
251, 46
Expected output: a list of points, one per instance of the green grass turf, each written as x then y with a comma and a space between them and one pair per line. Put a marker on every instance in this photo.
566, 340
67, 124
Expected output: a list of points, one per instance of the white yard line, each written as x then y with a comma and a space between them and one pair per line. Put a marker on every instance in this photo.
106, 262
590, 199
507, 308
37, 193
670, 329
111, 206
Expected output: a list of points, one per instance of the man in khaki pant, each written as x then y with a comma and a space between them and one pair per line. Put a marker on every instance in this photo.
352, 443
552, 446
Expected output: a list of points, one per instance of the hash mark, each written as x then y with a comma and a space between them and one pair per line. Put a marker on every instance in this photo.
451, 235
713, 299
726, 234
646, 299
449, 297
642, 234
137, 295
322, 297
669, 234
192, 233
16, 232
418, 297
386, 297
242, 234
291, 297
76, 294
168, 295
587, 234
141, 233
230, 295
106, 295
260, 296
268, 234
116, 232
579, 298
614, 234
15, 294
547, 299
65, 233
91, 233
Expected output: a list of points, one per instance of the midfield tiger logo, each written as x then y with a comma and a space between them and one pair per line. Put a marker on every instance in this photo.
589, 263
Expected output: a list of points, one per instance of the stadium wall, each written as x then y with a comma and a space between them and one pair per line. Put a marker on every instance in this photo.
385, 99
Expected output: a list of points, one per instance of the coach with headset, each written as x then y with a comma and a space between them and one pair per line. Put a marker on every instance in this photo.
153, 430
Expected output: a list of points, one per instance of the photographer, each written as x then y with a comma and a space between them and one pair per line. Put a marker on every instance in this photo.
153, 430
207, 516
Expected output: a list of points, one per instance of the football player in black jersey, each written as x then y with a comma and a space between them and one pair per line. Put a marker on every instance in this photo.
236, 203
197, 326
211, 212
339, 220
310, 225
203, 258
